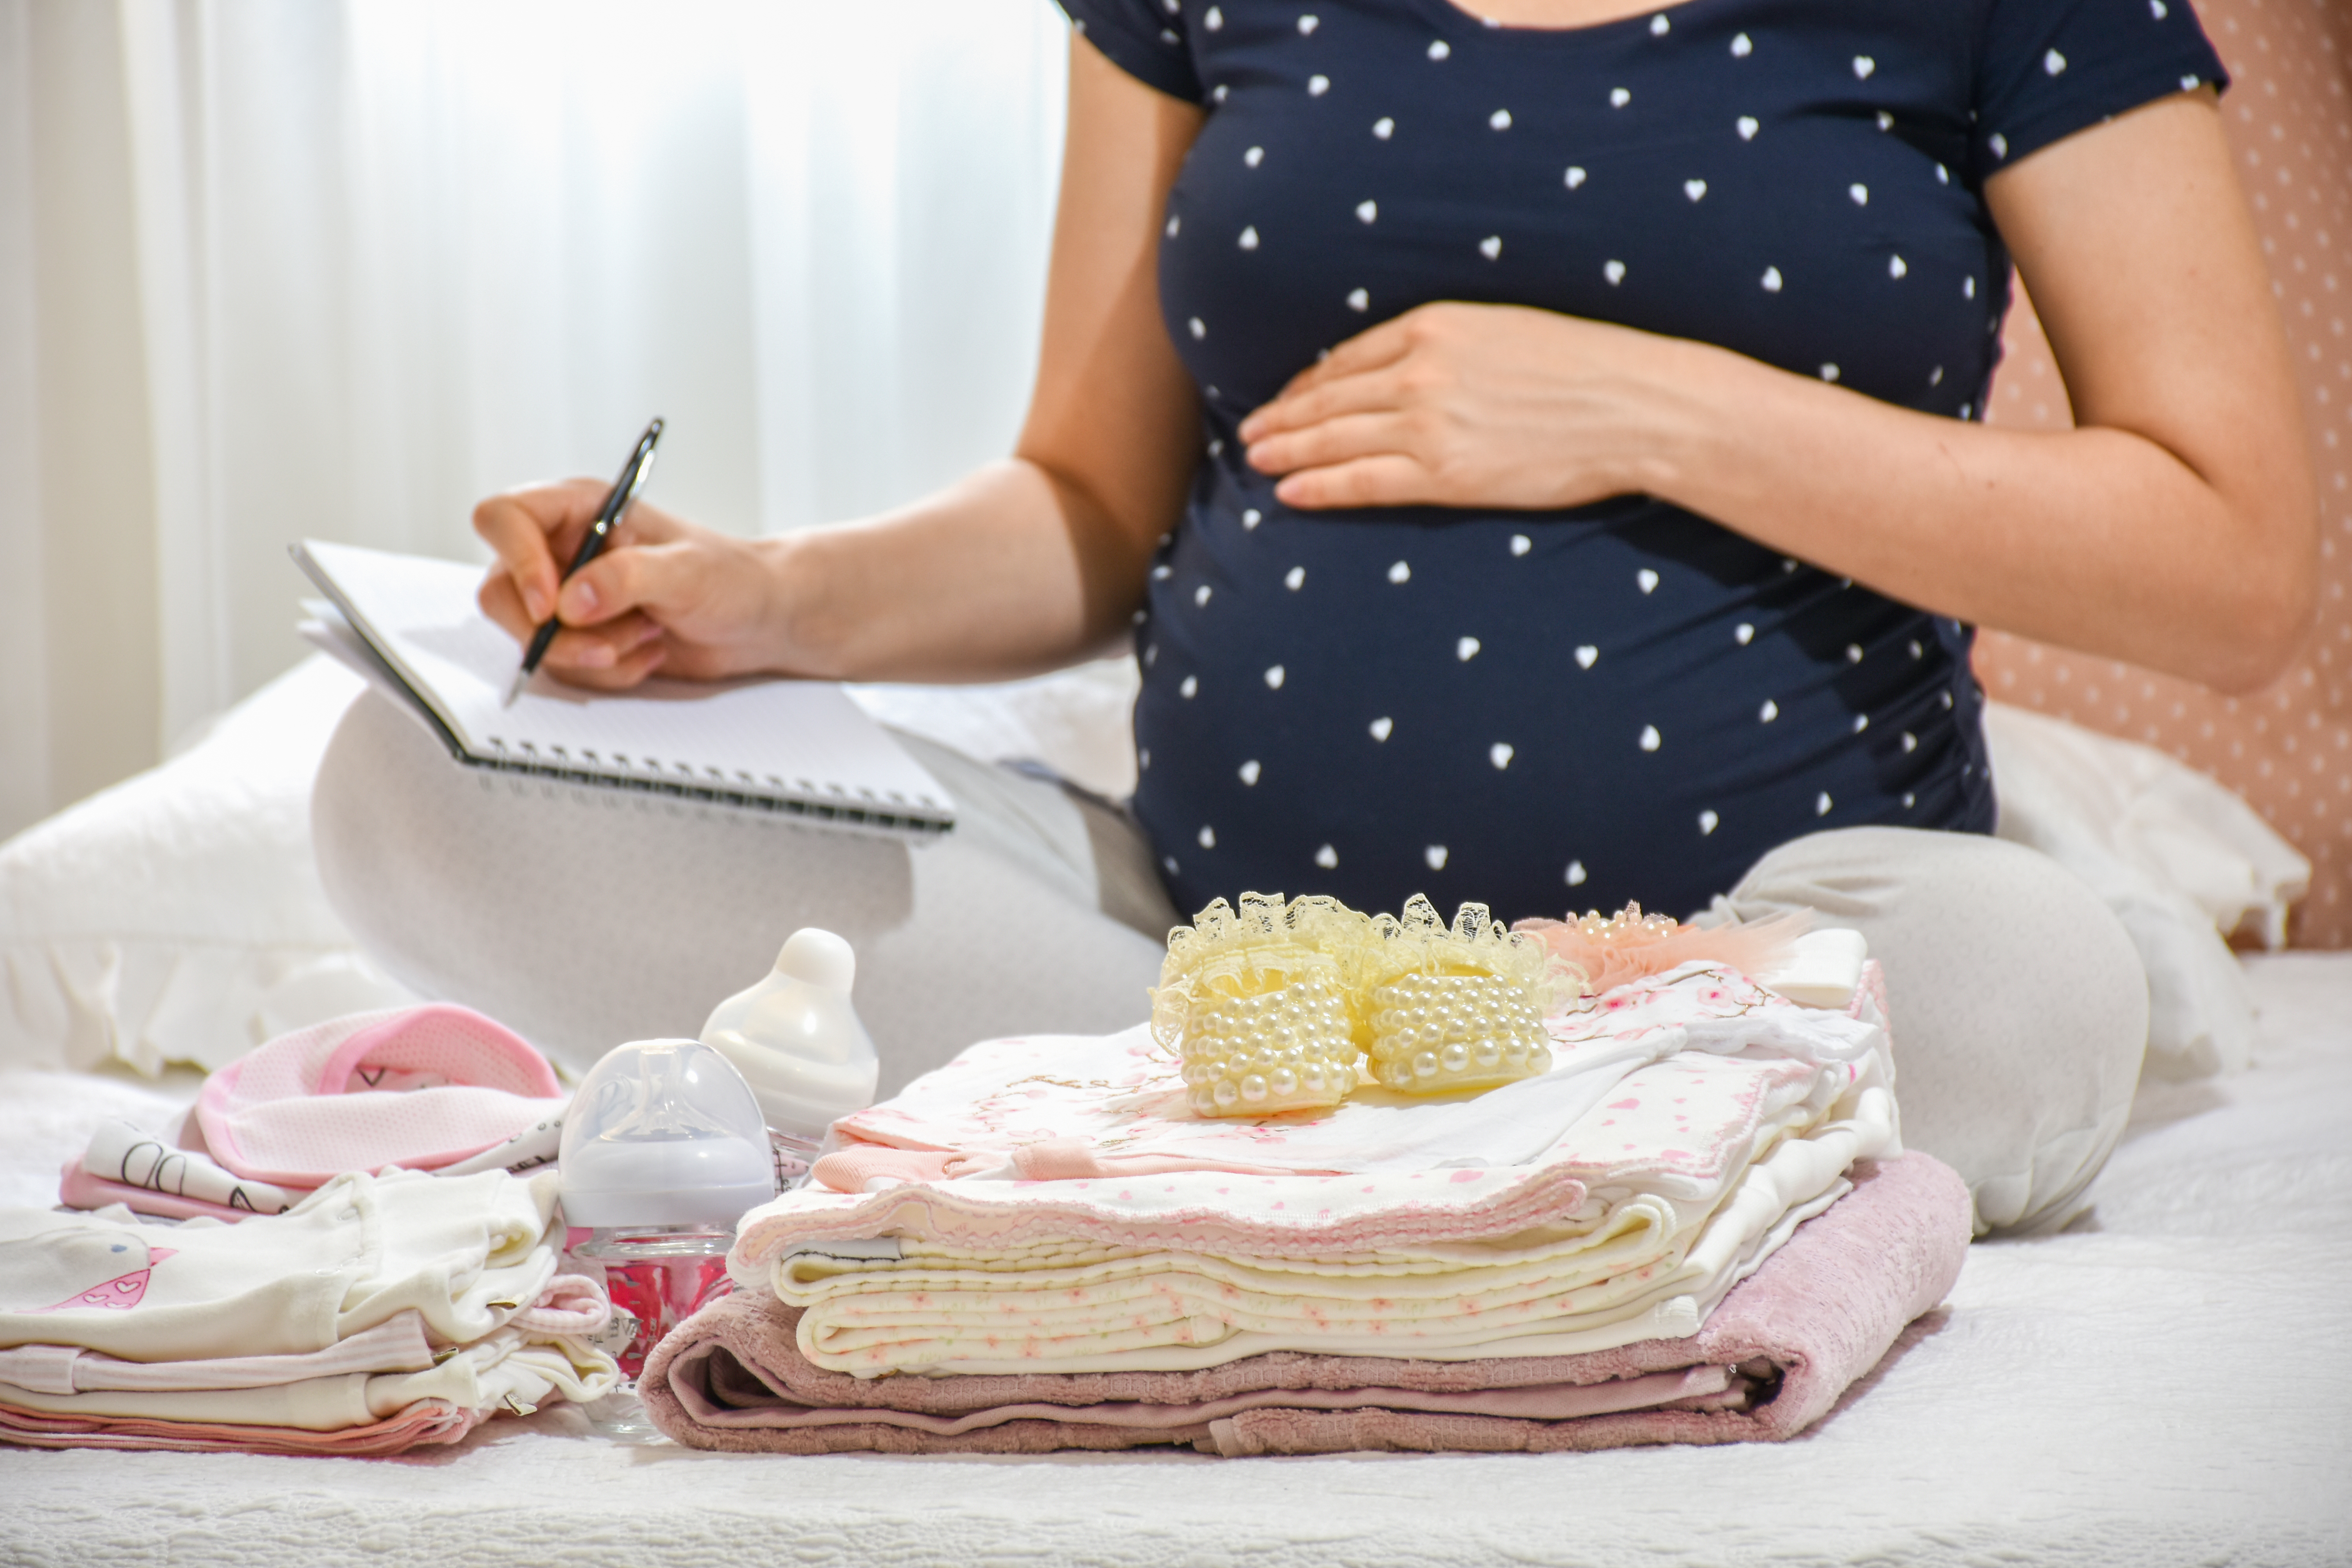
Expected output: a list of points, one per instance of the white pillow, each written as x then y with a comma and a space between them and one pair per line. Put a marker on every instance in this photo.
178, 917
2180, 860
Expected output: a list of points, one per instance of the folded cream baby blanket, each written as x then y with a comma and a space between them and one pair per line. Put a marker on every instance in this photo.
1769, 1360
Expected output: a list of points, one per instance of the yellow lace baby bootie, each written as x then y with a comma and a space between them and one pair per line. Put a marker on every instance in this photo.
1290, 1006
1257, 1003
1459, 1008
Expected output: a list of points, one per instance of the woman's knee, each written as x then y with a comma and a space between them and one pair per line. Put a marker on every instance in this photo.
2020, 1003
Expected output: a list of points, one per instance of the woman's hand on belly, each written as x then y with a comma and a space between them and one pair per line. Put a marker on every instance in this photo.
1476, 406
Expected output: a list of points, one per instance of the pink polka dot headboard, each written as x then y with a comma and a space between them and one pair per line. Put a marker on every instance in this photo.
2287, 748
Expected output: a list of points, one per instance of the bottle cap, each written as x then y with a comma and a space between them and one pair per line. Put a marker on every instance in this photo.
664, 1132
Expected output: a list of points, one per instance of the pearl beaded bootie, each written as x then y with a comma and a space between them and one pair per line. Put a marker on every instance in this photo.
1292, 1007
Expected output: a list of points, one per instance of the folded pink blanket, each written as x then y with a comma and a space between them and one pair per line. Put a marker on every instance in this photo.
426, 1422
1771, 1361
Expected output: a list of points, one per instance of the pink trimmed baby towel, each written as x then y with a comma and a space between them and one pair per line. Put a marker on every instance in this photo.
420, 1087
1774, 1358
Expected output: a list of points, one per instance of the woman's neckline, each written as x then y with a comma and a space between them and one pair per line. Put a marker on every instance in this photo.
1467, 21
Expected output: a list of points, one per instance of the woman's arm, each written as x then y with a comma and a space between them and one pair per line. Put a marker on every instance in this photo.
2176, 527
1025, 565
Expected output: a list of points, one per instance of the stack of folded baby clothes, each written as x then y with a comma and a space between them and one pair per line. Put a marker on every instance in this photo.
378, 1313
1692, 1222
356, 1267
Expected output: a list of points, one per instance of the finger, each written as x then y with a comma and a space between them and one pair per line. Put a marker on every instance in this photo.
1387, 478
534, 532
631, 671
1374, 348
650, 578
1295, 403
1383, 391
503, 604
1339, 440
601, 647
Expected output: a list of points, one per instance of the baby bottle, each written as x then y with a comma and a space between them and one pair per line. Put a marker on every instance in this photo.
797, 1042
663, 1151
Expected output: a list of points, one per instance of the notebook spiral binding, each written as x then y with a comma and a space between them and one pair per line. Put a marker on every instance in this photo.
680, 781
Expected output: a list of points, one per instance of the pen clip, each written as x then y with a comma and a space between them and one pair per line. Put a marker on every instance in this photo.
634, 475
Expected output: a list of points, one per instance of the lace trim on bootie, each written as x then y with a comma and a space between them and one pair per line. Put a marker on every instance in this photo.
1258, 1004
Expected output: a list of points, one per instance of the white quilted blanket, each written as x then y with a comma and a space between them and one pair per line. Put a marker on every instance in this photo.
2169, 1387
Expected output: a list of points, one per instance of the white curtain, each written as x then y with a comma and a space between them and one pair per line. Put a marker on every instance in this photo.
276, 268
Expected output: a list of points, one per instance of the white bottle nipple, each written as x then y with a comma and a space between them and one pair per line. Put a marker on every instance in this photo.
820, 958
796, 1039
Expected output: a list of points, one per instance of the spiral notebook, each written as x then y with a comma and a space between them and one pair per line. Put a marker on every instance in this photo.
410, 625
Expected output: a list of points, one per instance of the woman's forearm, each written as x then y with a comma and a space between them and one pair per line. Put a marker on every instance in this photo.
2176, 527
2097, 538
1007, 573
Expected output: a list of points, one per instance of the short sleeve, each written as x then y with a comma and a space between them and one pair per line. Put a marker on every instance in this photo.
1145, 39
2047, 69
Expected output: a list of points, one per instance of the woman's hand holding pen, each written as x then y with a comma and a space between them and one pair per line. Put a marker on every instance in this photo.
667, 594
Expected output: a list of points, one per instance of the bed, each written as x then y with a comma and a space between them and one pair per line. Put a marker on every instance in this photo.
2146, 1388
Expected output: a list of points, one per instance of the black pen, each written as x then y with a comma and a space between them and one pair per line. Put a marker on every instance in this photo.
634, 474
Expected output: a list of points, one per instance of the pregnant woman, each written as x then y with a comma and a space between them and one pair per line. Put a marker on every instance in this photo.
1536, 452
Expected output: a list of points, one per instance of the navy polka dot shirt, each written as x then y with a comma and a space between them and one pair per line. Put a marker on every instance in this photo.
1563, 709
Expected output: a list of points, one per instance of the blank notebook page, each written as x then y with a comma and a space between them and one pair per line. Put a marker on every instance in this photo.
793, 743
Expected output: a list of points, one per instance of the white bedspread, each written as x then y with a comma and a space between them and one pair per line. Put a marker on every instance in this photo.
2170, 1387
